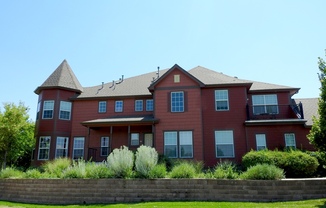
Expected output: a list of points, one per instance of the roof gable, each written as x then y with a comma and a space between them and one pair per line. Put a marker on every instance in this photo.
169, 72
62, 77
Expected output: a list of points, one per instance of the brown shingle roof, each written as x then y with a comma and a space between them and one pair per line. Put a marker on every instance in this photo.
62, 77
310, 108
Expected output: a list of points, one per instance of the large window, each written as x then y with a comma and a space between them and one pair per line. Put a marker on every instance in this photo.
265, 104
118, 106
61, 147
65, 110
102, 106
104, 146
138, 105
177, 102
44, 148
78, 151
224, 144
290, 140
261, 141
48, 109
221, 100
149, 105
178, 144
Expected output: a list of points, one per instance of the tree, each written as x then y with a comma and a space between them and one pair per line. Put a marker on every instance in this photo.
16, 133
317, 135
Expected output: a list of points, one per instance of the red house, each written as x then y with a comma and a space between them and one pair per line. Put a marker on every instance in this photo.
198, 114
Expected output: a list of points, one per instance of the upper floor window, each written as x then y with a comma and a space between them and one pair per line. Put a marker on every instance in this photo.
265, 104
134, 139
104, 146
177, 101
221, 100
44, 148
178, 144
61, 147
290, 140
261, 141
118, 106
138, 105
65, 110
48, 107
224, 144
38, 110
102, 106
149, 105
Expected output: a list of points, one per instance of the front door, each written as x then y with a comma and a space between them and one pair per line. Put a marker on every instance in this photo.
148, 140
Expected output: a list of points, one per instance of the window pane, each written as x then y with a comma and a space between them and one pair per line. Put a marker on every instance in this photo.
221, 100
224, 143
119, 106
177, 102
186, 148
102, 107
138, 105
44, 148
78, 151
265, 104
104, 146
261, 141
170, 144
149, 105
290, 140
48, 109
134, 139
170, 151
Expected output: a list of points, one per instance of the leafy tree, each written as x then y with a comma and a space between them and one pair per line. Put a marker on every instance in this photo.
317, 135
16, 133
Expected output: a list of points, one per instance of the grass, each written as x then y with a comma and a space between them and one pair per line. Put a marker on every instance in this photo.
316, 203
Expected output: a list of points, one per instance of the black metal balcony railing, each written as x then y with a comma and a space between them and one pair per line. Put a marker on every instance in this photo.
266, 112
98, 154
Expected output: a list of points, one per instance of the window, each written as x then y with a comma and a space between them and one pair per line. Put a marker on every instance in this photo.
38, 110
148, 139
104, 146
178, 144
221, 100
134, 139
176, 78
44, 148
264, 104
177, 102
224, 144
65, 110
78, 151
48, 109
261, 141
290, 141
118, 106
138, 105
102, 106
61, 147
149, 105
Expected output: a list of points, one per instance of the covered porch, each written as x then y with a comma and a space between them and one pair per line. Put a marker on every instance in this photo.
106, 134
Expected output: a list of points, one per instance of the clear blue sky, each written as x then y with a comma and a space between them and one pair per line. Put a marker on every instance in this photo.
271, 41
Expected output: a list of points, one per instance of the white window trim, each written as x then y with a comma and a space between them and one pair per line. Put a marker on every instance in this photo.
83, 148
265, 105
227, 100
178, 144
105, 146
216, 139
285, 140
142, 105
134, 139
260, 138
116, 107
46, 148
152, 105
61, 106
44, 109
66, 148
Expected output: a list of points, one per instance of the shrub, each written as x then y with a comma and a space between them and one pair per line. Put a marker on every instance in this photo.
146, 160
96, 171
158, 171
33, 173
121, 162
169, 163
55, 168
226, 170
183, 170
294, 162
263, 172
77, 170
11, 173
321, 157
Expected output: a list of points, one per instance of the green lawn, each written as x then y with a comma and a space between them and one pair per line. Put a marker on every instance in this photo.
319, 203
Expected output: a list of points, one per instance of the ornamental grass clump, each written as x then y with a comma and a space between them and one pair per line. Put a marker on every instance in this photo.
120, 162
98, 170
183, 170
263, 172
158, 171
226, 170
76, 170
11, 173
55, 168
34, 173
146, 160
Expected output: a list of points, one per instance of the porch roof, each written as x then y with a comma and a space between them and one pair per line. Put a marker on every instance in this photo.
121, 121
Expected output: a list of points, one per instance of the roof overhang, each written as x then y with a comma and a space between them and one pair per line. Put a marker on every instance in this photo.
121, 121
275, 122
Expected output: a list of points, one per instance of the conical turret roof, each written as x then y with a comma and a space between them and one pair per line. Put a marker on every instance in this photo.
62, 77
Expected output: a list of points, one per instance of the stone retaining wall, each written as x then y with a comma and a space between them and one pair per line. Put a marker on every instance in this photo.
79, 191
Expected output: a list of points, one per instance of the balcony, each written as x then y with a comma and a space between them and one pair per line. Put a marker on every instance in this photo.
274, 112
